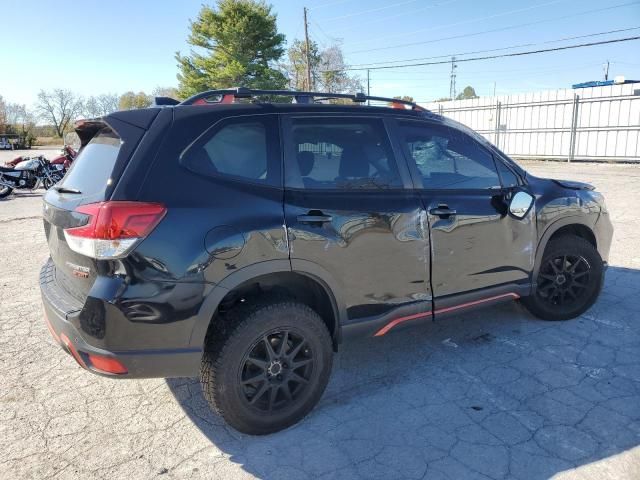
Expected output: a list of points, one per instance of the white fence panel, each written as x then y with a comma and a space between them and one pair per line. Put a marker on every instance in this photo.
599, 123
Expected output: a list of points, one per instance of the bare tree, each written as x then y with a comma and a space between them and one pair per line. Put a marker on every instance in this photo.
170, 92
21, 121
59, 107
3, 115
100, 105
108, 103
333, 72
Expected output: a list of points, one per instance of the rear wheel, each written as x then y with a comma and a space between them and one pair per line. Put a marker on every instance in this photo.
266, 365
5, 191
569, 280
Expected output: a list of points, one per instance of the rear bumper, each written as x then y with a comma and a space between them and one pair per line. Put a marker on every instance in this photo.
149, 363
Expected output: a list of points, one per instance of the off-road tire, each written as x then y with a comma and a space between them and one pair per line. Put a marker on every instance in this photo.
554, 263
237, 334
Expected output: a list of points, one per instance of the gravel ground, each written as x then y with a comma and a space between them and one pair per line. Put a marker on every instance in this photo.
494, 394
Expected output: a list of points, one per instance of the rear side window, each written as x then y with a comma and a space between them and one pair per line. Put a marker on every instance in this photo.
340, 153
239, 148
90, 173
447, 158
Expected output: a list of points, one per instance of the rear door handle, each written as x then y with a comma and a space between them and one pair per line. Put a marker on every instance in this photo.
315, 218
442, 211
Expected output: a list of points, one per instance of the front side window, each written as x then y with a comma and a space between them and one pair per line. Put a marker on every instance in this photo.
238, 148
339, 153
447, 158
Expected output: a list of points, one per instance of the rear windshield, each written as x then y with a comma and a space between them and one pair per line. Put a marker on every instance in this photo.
91, 171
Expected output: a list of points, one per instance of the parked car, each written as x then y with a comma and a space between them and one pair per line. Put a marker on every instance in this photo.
5, 144
243, 242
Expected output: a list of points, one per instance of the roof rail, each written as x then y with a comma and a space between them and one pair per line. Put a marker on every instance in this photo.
230, 94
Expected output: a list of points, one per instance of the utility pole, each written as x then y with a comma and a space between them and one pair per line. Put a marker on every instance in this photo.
452, 83
368, 85
605, 67
306, 42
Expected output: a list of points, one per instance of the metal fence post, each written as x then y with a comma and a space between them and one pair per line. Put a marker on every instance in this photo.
574, 128
497, 133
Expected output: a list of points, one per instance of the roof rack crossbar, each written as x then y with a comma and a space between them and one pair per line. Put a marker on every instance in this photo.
299, 96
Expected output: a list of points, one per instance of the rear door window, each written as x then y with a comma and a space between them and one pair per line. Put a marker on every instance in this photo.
91, 171
241, 148
340, 153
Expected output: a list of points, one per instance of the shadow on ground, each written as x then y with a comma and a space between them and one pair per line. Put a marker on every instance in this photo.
492, 394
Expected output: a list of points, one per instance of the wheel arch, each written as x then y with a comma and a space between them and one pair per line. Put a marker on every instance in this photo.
574, 225
308, 283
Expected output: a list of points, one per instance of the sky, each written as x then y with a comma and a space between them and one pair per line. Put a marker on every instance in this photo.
116, 46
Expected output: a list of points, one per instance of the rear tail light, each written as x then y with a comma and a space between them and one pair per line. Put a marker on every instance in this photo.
114, 228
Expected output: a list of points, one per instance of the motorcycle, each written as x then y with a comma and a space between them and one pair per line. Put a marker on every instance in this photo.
65, 159
28, 174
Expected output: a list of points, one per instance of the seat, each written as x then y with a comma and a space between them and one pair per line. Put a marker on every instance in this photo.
306, 162
353, 164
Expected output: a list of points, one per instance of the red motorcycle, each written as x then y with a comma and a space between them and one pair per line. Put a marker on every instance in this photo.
62, 162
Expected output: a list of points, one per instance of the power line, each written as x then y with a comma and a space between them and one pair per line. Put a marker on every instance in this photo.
496, 49
494, 30
329, 4
386, 18
490, 57
464, 22
362, 12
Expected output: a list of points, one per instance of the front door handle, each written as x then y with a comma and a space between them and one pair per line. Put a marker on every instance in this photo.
442, 211
314, 218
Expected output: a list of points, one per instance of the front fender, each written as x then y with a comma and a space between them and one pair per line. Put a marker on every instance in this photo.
552, 228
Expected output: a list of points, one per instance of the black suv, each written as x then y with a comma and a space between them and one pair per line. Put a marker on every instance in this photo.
244, 240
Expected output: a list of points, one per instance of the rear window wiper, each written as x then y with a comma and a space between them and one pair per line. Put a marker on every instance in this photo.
66, 190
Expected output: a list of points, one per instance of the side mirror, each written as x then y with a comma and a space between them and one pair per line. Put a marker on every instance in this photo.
520, 204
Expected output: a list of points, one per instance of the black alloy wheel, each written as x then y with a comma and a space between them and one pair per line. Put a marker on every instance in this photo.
563, 280
569, 279
266, 364
276, 370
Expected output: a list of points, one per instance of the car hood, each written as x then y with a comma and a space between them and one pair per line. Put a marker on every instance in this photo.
574, 185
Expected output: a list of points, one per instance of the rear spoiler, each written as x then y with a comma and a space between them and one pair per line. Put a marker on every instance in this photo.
140, 118
86, 129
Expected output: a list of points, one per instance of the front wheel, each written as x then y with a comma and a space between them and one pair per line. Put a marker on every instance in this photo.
50, 181
266, 365
569, 280
5, 191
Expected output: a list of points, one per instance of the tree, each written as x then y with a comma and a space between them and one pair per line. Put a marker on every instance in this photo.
296, 69
333, 72
237, 43
132, 100
406, 98
170, 92
21, 121
3, 115
467, 93
328, 69
101, 105
59, 107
